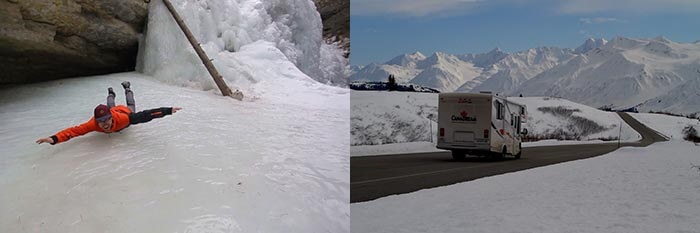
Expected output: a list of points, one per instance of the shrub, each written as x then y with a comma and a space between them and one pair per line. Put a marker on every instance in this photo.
578, 126
691, 134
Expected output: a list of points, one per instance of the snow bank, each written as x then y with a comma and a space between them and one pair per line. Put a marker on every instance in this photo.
394, 148
275, 163
392, 117
224, 28
554, 142
651, 189
671, 126
542, 123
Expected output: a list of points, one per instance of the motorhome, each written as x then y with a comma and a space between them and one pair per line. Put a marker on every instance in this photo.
480, 124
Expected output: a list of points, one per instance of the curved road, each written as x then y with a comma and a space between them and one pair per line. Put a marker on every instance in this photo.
372, 177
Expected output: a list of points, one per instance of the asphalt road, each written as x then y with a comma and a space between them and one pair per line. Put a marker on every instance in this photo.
372, 177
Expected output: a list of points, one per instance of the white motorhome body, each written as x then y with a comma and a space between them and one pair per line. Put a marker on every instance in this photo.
479, 124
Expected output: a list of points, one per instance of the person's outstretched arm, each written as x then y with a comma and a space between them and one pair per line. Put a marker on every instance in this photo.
148, 115
69, 133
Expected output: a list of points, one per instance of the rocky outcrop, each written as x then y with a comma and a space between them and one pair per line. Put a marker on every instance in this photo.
50, 39
336, 20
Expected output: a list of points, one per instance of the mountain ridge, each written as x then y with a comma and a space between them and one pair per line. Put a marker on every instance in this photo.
650, 73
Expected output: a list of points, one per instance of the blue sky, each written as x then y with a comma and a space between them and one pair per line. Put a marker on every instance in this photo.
382, 29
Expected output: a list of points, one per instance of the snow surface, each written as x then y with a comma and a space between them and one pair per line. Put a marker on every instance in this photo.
273, 163
381, 118
651, 189
670, 126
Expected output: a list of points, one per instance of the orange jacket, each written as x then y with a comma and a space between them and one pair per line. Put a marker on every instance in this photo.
120, 120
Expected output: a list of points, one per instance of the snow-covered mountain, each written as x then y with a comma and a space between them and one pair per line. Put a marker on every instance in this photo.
403, 67
463, 72
591, 43
514, 69
485, 59
445, 72
653, 74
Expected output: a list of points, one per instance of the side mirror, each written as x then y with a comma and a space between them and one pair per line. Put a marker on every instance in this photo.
524, 132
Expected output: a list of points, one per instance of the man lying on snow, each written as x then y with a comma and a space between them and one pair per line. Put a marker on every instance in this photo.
109, 118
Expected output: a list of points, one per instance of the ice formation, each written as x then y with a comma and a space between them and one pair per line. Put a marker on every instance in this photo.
224, 28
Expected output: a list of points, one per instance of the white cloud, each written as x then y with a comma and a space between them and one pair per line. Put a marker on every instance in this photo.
411, 8
598, 20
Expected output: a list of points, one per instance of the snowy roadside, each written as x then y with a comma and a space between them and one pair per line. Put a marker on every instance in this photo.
670, 126
633, 189
604, 194
394, 148
552, 142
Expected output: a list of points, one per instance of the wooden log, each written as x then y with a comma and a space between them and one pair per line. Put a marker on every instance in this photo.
218, 79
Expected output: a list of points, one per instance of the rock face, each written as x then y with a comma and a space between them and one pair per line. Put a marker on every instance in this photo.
336, 20
50, 39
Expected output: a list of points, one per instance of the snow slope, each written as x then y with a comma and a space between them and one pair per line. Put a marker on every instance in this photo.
658, 193
670, 126
381, 117
266, 164
546, 118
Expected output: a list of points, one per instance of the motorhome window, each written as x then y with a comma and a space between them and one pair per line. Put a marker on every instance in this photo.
512, 120
503, 111
499, 110
522, 110
518, 123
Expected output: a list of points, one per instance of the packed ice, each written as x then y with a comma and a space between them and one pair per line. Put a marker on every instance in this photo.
273, 162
